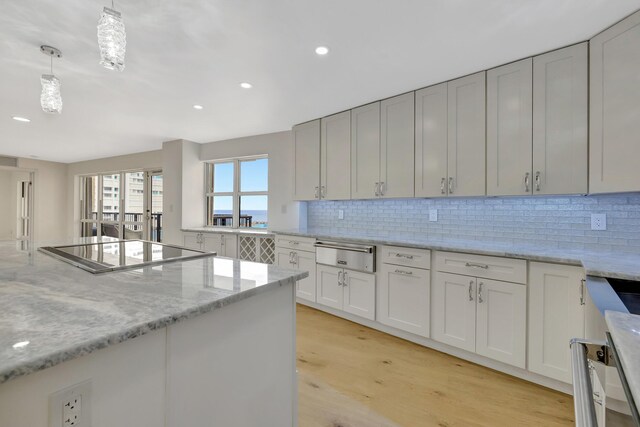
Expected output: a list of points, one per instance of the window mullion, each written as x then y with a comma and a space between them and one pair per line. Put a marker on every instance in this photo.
236, 196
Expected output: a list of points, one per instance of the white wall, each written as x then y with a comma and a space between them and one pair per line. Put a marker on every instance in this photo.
7, 206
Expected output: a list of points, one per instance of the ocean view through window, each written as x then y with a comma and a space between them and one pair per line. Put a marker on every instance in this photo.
237, 193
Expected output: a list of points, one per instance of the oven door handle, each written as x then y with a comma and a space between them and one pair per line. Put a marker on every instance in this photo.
583, 405
330, 245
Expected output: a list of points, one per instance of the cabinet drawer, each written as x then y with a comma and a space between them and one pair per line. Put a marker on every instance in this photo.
296, 242
505, 269
409, 257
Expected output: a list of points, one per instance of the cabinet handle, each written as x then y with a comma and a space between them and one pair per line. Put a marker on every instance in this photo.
526, 182
473, 264
295, 258
399, 255
471, 290
323, 192
293, 242
375, 189
442, 183
340, 274
315, 194
480, 300
382, 188
344, 279
450, 185
582, 292
405, 272
537, 180
290, 257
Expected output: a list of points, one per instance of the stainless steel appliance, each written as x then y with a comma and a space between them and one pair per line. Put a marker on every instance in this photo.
104, 257
346, 255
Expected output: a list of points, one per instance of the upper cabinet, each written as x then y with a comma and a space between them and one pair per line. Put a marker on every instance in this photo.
365, 151
335, 156
509, 128
450, 138
615, 108
560, 123
306, 163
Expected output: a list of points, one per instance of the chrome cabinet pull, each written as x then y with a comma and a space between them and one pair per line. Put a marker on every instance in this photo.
480, 300
323, 192
295, 258
526, 182
473, 264
382, 188
399, 255
316, 193
450, 185
340, 276
442, 183
293, 242
405, 272
537, 180
582, 302
375, 188
344, 279
471, 290
290, 257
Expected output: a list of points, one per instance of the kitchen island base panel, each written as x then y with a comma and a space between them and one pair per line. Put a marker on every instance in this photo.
234, 365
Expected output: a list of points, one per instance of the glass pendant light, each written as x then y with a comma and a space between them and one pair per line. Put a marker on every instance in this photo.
50, 98
112, 39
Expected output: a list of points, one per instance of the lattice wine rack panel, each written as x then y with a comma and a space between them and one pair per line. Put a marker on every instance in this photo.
257, 248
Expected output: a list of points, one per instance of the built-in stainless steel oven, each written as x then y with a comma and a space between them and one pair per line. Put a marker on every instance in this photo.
347, 255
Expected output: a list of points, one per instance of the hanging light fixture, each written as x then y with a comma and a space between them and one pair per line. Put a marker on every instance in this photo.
112, 39
50, 98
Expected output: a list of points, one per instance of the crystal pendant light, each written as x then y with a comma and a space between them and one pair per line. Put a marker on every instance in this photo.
112, 39
50, 98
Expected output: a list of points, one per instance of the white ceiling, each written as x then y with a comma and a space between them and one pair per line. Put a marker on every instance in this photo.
185, 52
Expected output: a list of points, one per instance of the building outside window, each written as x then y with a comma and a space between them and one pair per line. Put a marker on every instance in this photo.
237, 193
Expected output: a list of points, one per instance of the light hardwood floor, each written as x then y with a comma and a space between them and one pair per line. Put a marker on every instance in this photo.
353, 376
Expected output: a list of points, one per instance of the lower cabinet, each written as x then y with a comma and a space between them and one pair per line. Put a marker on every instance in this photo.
556, 314
300, 260
404, 295
350, 291
480, 315
224, 244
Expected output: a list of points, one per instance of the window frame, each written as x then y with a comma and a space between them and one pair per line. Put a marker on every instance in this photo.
236, 194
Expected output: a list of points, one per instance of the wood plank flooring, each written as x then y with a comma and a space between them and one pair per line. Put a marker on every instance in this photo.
353, 376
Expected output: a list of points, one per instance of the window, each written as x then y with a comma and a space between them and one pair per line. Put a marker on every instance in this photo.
237, 193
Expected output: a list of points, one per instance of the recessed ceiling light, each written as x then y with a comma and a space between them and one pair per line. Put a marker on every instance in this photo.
322, 50
245, 85
198, 107
20, 119
21, 344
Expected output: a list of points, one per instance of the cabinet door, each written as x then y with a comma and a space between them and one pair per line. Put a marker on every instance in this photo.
466, 138
230, 245
614, 98
329, 289
397, 146
556, 315
501, 325
283, 258
213, 243
306, 261
509, 127
365, 151
306, 161
431, 141
453, 309
335, 151
360, 294
560, 85
192, 241
404, 298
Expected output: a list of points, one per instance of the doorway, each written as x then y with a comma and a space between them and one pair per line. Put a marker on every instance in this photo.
16, 204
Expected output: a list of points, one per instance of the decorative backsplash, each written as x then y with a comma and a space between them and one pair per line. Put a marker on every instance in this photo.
558, 221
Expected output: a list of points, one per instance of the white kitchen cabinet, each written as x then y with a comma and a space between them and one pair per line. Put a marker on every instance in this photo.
300, 260
397, 146
306, 161
556, 314
335, 156
365, 151
431, 141
560, 121
509, 128
350, 291
404, 295
453, 308
614, 100
501, 329
224, 244
466, 139
192, 240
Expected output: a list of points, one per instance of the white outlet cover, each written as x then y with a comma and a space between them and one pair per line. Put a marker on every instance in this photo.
80, 392
340, 214
433, 215
598, 221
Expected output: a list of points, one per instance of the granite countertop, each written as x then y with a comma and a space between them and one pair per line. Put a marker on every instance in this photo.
625, 332
51, 311
599, 264
252, 232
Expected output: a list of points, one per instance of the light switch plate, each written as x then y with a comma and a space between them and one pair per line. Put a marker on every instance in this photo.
433, 215
598, 221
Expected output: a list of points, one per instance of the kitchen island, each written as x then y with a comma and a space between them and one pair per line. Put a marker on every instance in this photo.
209, 341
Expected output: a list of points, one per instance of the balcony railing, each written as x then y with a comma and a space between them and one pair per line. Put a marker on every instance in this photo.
131, 231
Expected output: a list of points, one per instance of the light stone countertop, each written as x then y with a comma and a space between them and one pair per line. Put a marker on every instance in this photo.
56, 312
625, 332
251, 232
599, 264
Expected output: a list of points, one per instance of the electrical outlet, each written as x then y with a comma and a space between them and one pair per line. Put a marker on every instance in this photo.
598, 221
433, 215
340, 214
71, 407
